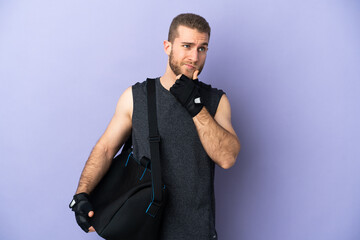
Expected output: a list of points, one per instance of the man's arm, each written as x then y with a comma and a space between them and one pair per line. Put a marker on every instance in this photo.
100, 158
109, 144
217, 134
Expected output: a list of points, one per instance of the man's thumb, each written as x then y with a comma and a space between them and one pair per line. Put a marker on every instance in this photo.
91, 214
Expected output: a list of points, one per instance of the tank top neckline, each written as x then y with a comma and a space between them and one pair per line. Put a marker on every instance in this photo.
161, 86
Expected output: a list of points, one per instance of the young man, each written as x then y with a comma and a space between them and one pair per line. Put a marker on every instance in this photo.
194, 123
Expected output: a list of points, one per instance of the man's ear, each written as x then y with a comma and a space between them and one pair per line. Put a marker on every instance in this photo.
167, 47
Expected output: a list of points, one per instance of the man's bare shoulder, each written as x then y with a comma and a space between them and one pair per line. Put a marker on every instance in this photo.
223, 114
224, 109
120, 125
125, 103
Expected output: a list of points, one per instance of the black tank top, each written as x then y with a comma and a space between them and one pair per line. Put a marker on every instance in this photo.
187, 170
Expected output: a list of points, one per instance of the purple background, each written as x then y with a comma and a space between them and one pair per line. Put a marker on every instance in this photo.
291, 70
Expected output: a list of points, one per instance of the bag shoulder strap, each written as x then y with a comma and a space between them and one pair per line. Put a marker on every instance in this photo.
154, 140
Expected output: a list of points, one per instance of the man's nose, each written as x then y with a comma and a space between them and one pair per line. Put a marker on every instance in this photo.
194, 55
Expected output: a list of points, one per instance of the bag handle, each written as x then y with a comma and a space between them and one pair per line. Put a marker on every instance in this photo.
154, 140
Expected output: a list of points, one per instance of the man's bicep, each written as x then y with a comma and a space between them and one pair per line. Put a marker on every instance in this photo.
223, 115
119, 128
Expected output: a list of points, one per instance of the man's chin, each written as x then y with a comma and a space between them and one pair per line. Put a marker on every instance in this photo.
189, 75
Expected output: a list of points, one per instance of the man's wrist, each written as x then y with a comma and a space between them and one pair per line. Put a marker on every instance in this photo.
82, 189
202, 114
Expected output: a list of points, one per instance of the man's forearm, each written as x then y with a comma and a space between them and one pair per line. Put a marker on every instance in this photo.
221, 146
95, 168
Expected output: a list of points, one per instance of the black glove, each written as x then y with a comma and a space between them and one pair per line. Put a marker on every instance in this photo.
187, 93
81, 206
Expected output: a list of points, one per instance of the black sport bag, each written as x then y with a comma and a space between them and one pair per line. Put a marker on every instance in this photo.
129, 200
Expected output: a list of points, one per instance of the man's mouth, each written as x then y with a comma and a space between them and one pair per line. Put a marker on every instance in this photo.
189, 66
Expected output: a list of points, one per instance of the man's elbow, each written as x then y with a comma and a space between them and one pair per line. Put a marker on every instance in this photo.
227, 164
230, 161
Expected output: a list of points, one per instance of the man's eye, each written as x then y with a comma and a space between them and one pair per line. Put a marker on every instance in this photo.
186, 46
202, 49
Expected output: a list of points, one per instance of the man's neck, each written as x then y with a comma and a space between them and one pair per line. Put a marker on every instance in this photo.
168, 79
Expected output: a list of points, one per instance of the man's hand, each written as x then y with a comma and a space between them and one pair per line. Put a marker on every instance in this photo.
83, 210
187, 93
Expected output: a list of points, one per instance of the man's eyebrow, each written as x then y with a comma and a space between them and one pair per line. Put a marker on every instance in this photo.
191, 43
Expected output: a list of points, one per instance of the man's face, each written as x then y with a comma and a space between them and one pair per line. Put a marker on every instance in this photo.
188, 51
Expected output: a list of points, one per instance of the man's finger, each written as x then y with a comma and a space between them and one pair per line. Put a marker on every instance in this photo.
195, 74
91, 229
91, 214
